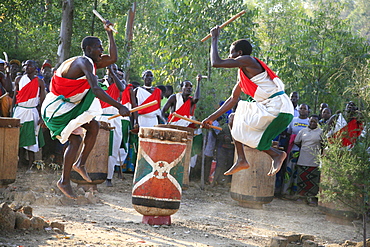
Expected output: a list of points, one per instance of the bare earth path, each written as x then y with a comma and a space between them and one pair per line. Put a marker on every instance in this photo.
206, 218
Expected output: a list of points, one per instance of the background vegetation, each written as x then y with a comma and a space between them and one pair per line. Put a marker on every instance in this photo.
313, 45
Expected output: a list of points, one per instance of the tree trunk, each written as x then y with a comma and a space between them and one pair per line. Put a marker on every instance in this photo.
93, 18
129, 35
65, 32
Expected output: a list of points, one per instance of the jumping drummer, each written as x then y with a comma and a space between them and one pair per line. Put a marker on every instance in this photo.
255, 124
73, 103
182, 103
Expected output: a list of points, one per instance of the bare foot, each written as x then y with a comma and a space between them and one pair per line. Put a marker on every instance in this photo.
82, 171
238, 166
66, 189
277, 162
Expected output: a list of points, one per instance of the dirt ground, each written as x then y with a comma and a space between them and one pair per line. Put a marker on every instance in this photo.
208, 217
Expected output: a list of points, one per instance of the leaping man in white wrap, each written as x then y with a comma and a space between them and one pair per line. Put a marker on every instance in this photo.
73, 103
255, 123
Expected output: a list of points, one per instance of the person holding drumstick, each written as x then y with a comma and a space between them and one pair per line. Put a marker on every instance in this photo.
148, 117
182, 103
73, 103
255, 124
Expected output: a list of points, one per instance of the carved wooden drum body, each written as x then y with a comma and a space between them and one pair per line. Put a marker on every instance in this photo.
158, 175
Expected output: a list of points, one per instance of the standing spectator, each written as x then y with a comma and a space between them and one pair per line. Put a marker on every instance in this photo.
224, 155
163, 99
294, 98
2, 66
310, 141
209, 151
47, 73
325, 116
322, 107
290, 176
28, 97
5, 99
347, 126
53, 149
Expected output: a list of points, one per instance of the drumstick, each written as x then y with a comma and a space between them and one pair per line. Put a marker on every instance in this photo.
194, 121
5, 94
172, 118
225, 23
136, 108
103, 20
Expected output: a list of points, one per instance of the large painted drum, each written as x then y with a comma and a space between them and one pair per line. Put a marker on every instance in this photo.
157, 191
190, 134
252, 187
9, 144
97, 162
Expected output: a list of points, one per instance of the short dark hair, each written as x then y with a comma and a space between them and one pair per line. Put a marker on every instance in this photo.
169, 88
243, 45
135, 84
88, 41
183, 83
314, 115
162, 88
146, 71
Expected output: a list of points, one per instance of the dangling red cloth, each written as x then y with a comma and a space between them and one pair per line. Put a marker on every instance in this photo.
247, 86
156, 95
185, 110
113, 92
126, 97
29, 91
350, 132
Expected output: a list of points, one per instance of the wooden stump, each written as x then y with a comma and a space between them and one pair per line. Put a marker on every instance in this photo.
9, 144
252, 187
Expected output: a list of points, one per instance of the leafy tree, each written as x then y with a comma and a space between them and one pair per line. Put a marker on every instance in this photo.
309, 49
345, 179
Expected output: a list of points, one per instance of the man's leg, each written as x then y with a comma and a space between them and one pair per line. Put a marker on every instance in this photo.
70, 154
92, 130
241, 162
278, 158
31, 159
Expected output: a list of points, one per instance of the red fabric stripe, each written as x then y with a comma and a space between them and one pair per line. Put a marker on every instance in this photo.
68, 87
184, 110
126, 97
29, 91
113, 92
156, 95
350, 132
271, 74
247, 86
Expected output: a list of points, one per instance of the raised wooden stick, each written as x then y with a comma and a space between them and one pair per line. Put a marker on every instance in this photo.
194, 121
137, 108
103, 20
225, 23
